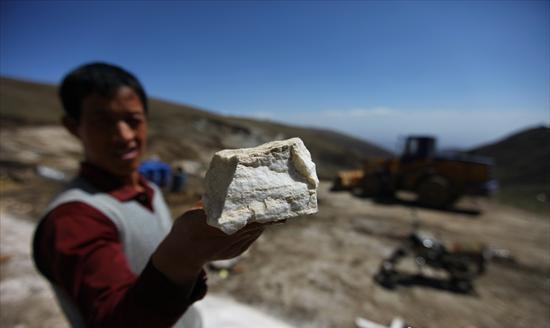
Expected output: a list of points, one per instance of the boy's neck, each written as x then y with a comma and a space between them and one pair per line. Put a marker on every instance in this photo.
110, 180
132, 180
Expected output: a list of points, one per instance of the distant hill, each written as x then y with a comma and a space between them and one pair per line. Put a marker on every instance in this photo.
522, 158
180, 132
522, 166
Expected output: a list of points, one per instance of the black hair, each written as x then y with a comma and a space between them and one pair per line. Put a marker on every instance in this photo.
96, 78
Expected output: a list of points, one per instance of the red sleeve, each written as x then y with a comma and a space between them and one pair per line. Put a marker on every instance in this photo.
78, 248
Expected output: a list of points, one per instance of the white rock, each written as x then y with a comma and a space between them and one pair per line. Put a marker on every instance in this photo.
271, 182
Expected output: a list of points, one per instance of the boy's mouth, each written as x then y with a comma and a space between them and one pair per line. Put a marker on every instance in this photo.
127, 153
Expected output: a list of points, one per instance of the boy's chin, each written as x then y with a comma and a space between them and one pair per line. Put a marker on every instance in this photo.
124, 169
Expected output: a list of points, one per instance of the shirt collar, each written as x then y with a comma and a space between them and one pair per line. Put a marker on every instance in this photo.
114, 186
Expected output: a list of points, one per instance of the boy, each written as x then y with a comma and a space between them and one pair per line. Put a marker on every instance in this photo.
107, 243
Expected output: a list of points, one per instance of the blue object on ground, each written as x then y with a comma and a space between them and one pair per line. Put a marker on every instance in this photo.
157, 172
179, 180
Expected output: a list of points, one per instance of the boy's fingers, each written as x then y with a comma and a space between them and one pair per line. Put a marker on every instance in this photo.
257, 225
198, 204
238, 247
274, 222
253, 226
194, 213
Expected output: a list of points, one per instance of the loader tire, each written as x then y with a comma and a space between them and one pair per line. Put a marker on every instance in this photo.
435, 192
337, 184
370, 186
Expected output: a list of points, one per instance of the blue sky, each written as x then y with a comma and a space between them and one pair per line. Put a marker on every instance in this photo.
467, 71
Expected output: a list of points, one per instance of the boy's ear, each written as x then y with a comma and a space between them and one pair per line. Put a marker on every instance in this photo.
71, 125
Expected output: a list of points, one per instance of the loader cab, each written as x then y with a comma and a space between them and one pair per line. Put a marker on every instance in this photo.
418, 148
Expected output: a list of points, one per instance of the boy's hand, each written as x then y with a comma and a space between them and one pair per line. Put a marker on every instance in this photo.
192, 243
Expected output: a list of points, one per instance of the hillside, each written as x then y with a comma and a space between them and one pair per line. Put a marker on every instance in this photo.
521, 166
522, 158
179, 132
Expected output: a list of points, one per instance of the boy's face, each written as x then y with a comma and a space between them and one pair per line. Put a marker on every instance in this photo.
113, 131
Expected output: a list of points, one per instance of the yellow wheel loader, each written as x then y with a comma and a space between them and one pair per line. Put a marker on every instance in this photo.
438, 179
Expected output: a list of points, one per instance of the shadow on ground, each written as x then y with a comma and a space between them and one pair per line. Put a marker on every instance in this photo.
390, 201
419, 280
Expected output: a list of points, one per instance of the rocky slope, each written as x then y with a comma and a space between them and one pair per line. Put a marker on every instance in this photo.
179, 132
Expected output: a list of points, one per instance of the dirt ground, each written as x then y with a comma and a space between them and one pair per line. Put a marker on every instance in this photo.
318, 271
314, 271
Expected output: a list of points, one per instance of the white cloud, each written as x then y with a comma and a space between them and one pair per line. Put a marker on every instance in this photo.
359, 112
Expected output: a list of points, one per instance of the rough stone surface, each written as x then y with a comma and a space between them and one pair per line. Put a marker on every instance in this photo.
271, 182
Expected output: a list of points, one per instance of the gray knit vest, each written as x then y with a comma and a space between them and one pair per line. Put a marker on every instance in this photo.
140, 232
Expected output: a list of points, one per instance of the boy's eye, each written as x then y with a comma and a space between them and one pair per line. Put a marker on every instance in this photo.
134, 121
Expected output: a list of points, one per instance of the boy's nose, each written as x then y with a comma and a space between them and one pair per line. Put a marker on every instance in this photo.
124, 132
